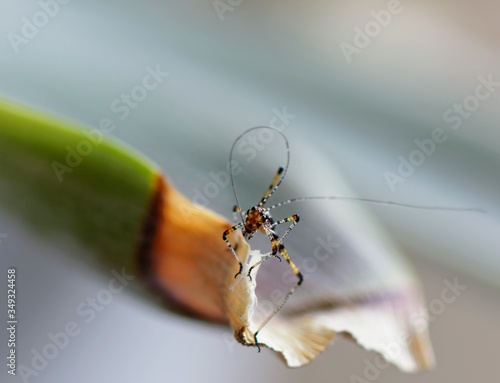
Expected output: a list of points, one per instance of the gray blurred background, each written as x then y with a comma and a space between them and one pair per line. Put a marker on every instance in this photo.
231, 66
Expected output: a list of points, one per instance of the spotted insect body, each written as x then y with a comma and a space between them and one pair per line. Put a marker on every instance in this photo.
257, 219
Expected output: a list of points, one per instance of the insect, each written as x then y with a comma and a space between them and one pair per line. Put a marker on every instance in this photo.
258, 218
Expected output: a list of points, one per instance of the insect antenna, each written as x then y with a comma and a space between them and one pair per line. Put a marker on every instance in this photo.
275, 182
380, 202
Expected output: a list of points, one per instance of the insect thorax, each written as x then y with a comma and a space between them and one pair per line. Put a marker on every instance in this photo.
256, 218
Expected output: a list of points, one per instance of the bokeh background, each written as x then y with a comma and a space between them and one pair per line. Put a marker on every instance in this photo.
232, 65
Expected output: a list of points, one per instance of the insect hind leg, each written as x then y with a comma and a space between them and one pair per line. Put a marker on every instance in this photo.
300, 279
275, 183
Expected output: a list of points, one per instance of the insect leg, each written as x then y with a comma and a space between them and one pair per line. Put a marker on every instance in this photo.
293, 218
261, 261
224, 237
273, 237
236, 213
276, 242
300, 278
273, 186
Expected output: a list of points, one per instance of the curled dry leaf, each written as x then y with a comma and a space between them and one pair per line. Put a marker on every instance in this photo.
381, 322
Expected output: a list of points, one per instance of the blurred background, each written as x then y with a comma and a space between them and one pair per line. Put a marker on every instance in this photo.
356, 86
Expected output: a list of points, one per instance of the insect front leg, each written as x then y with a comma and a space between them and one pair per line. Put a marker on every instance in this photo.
224, 237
